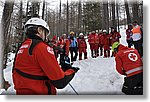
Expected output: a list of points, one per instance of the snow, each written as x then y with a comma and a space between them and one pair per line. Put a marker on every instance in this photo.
8, 75
96, 75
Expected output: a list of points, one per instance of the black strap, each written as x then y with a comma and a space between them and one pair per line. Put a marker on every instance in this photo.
29, 76
33, 44
48, 87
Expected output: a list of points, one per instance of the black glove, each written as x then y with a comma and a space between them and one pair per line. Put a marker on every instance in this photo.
65, 66
75, 68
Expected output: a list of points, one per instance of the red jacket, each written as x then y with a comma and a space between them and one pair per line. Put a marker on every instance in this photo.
106, 39
129, 34
114, 37
93, 38
64, 43
101, 39
128, 61
42, 62
81, 43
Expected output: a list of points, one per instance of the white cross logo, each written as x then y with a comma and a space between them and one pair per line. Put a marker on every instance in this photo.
132, 56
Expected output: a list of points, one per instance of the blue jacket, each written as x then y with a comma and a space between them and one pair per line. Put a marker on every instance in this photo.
73, 42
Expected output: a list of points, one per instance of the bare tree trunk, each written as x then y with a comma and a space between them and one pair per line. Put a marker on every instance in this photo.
67, 19
27, 10
79, 17
105, 16
1, 63
60, 19
35, 8
117, 10
127, 12
43, 9
135, 11
8, 9
113, 15
141, 12
20, 22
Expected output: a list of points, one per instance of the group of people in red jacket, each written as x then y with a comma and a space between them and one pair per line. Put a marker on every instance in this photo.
69, 44
103, 41
37, 72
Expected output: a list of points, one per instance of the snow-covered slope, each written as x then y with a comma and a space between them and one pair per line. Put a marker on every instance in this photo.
96, 75
8, 75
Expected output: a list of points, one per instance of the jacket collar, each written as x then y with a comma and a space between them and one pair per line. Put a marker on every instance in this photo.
35, 37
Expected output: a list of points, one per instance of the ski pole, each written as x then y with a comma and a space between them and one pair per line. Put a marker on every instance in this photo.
73, 89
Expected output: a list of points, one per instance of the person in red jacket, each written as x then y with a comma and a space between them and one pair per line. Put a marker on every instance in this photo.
114, 37
93, 41
129, 36
101, 42
82, 46
64, 45
53, 42
129, 64
36, 70
106, 42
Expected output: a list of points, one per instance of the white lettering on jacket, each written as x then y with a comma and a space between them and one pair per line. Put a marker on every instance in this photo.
20, 51
50, 50
24, 46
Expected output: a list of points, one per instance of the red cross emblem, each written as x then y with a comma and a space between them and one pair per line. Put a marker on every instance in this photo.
132, 57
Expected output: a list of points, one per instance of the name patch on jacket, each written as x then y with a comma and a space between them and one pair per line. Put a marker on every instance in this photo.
22, 48
50, 50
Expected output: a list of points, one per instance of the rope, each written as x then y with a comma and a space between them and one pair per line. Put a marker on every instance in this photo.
73, 89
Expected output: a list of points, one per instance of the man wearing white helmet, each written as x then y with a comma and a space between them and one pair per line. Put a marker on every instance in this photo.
101, 42
93, 41
106, 39
82, 46
36, 70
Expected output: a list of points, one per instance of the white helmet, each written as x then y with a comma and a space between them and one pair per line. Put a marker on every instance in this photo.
104, 31
96, 31
81, 34
100, 30
37, 22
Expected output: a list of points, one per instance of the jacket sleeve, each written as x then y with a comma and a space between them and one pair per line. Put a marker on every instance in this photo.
119, 36
85, 44
76, 42
119, 66
127, 33
67, 47
44, 56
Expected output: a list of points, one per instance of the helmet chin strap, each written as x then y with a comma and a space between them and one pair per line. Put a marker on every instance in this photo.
45, 36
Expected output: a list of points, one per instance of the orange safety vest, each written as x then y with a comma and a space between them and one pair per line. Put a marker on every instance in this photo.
136, 33
136, 30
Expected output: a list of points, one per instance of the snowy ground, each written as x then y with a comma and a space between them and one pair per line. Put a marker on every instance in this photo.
96, 75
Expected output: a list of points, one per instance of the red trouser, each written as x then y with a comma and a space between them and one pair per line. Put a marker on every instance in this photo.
82, 50
106, 51
94, 49
93, 46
